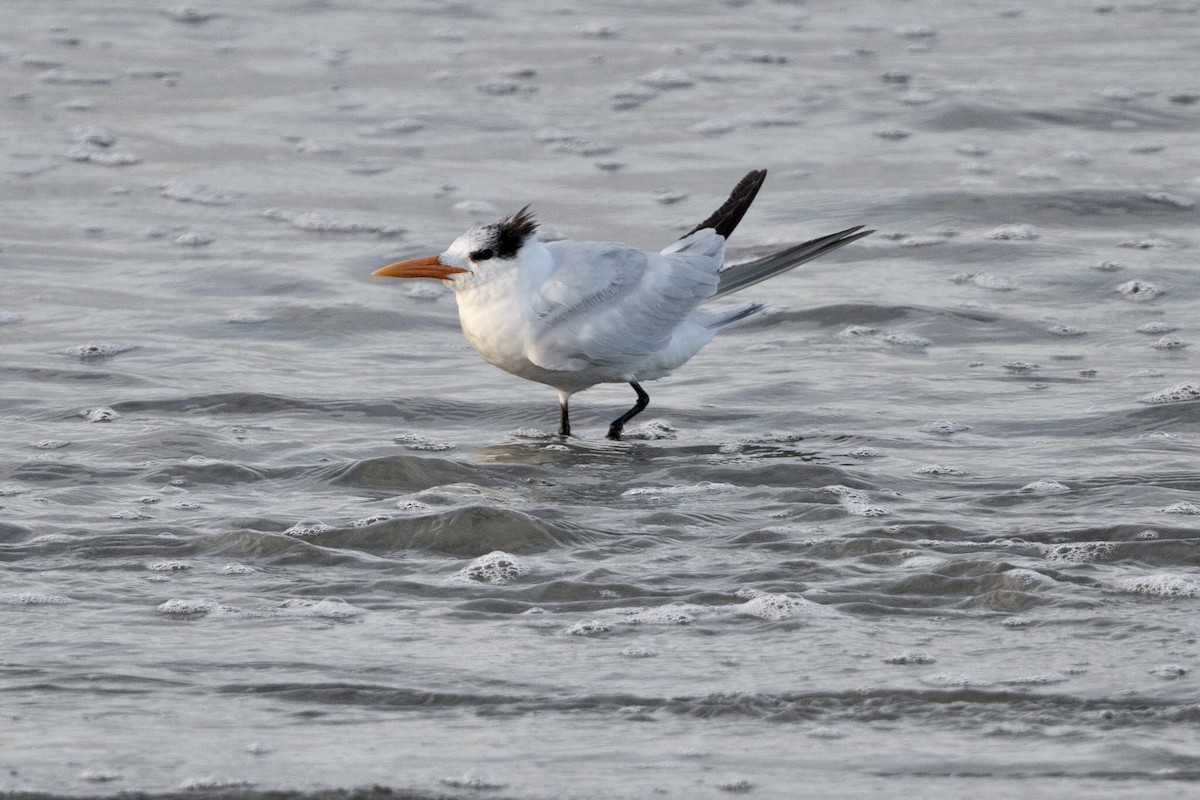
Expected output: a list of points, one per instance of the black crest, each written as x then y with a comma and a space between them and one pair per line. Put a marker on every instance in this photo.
512, 231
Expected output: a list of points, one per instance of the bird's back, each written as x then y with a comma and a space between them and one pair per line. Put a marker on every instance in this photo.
607, 303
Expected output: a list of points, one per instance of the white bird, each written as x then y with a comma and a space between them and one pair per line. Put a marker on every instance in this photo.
574, 314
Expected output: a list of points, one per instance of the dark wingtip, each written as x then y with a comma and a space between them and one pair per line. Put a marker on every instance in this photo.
727, 217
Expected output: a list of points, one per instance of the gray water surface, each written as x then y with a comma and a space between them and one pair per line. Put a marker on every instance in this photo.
925, 527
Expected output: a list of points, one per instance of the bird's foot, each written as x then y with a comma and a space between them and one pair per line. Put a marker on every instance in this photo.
614, 433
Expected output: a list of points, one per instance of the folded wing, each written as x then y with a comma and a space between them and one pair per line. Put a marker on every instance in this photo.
611, 304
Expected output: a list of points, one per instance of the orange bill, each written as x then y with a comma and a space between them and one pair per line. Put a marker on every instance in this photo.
428, 267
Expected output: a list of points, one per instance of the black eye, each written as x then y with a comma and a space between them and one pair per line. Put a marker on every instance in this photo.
482, 255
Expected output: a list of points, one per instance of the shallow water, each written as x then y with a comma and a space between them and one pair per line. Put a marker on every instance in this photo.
925, 527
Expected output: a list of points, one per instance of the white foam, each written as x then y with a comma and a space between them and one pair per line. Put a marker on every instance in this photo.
781, 606
1169, 343
52, 538
1062, 329
939, 469
101, 414
98, 350
944, 427
1079, 552
907, 340
186, 192
996, 283
473, 781
33, 599
1017, 233
329, 608
168, 566
496, 568
1161, 584
1182, 507
702, 488
910, 657
589, 627
1043, 487
308, 527
1156, 328
673, 614
855, 502
179, 607
1170, 671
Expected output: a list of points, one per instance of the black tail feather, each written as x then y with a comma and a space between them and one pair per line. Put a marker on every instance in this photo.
727, 217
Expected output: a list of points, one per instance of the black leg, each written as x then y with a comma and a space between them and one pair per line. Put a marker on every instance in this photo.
564, 419
614, 430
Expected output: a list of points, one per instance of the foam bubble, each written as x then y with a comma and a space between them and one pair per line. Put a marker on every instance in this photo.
168, 566
33, 599
473, 781
589, 627
944, 427
1138, 290
1018, 233
50, 538
496, 568
910, 657
93, 350
1169, 343
673, 614
1169, 671
781, 606
1156, 328
907, 340
308, 527
704, 487
49, 444
1182, 507
1162, 584
235, 568
1044, 487
638, 652
329, 608
1143, 244
939, 469
1183, 393
996, 283
1079, 552
103, 156
186, 192
178, 607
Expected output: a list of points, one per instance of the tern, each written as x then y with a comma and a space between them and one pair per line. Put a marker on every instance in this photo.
573, 314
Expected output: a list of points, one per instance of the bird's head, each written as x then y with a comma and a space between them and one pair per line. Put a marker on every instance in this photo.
477, 250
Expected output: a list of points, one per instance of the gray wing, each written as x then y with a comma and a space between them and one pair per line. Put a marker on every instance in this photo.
613, 305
